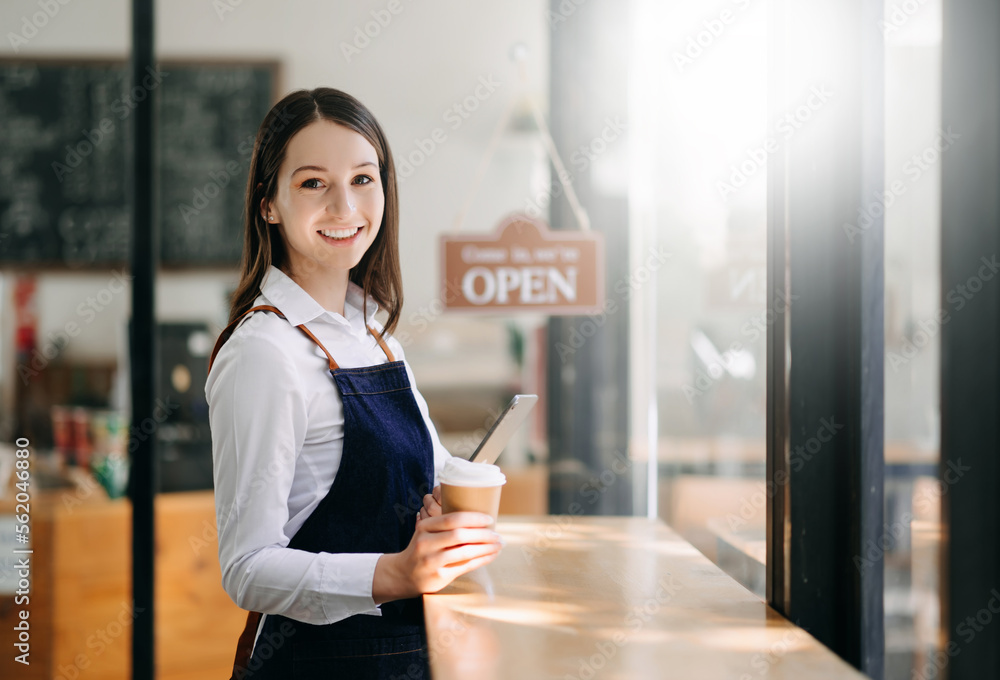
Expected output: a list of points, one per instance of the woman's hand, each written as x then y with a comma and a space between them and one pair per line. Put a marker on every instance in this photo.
432, 504
443, 548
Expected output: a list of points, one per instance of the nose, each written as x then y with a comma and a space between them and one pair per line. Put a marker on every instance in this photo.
341, 202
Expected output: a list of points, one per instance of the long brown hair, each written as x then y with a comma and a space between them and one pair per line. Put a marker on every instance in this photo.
378, 272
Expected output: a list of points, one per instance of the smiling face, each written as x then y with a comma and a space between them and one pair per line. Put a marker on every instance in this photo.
329, 201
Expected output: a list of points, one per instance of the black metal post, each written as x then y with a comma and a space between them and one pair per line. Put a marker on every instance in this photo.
970, 339
142, 346
587, 357
826, 347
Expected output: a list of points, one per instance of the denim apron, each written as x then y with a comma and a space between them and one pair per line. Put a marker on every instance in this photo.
387, 461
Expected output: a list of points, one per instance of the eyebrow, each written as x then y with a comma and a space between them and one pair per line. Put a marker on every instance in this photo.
317, 168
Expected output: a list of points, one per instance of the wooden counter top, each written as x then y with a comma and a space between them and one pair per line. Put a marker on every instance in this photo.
611, 597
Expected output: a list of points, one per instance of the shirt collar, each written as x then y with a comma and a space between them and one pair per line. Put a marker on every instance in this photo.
299, 307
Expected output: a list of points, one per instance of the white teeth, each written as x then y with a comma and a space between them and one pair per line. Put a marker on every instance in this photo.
341, 233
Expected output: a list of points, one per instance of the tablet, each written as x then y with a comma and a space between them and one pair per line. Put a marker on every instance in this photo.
496, 439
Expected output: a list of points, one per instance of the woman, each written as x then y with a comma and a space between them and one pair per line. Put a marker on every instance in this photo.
323, 451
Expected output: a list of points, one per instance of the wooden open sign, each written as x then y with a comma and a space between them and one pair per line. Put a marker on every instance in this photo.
523, 266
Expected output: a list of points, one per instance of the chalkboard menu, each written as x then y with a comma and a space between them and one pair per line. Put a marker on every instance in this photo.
65, 159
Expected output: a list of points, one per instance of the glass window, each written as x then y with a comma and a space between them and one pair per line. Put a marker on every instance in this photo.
703, 147
914, 145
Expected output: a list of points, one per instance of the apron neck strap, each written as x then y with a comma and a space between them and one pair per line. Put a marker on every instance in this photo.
228, 331
329, 357
381, 343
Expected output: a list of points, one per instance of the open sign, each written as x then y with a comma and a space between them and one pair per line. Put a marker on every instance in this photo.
523, 266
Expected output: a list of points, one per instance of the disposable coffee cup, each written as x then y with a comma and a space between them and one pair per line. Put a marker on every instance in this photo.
471, 487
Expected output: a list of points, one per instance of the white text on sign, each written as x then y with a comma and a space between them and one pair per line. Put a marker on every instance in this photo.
524, 266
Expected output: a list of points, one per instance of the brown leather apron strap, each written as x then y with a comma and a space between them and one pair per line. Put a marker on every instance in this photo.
228, 331
381, 343
245, 646
333, 364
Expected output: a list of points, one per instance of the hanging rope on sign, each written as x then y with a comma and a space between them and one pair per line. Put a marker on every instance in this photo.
519, 55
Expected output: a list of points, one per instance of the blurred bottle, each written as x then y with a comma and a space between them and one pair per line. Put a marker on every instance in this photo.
81, 438
62, 433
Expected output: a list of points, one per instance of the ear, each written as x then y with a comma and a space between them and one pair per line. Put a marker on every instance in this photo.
265, 209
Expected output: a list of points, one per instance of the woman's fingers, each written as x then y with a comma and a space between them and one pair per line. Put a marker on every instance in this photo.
456, 520
446, 546
432, 505
453, 571
460, 536
431, 545
459, 558
470, 551
441, 567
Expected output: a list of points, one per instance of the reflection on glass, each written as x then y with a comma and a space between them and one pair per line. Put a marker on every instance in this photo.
705, 95
913, 492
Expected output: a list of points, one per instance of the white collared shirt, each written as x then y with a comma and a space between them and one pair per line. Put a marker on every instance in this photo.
277, 425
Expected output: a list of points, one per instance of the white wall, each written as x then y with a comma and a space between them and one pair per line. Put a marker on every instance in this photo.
427, 58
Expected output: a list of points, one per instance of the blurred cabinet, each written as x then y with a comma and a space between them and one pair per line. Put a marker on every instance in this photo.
81, 604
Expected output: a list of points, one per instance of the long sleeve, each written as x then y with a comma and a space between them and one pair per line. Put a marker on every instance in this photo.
259, 417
